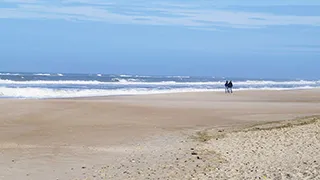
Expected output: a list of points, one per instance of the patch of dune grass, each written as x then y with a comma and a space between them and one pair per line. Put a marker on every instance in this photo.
283, 124
202, 136
205, 136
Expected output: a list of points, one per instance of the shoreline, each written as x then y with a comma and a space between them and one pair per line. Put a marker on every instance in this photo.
65, 138
161, 93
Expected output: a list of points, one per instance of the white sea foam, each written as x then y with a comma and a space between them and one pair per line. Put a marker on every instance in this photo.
59, 93
139, 82
40, 82
125, 75
181, 77
10, 74
99, 75
39, 93
274, 89
42, 74
138, 76
128, 81
301, 82
60, 74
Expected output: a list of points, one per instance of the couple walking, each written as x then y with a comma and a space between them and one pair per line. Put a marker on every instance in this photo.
228, 87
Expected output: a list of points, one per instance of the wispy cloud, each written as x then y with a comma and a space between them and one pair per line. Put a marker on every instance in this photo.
199, 16
20, 1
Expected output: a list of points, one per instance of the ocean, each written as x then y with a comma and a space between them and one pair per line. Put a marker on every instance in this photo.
56, 85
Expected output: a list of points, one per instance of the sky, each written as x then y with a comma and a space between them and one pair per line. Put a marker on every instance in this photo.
230, 38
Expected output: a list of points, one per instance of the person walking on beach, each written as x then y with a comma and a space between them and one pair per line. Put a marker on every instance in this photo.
230, 86
226, 87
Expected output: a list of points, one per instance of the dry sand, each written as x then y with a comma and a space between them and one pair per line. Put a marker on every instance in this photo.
148, 137
286, 150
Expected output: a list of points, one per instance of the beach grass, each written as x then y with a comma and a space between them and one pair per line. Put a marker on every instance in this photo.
283, 124
207, 135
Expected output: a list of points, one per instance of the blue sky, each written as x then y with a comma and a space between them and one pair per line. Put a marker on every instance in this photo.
218, 38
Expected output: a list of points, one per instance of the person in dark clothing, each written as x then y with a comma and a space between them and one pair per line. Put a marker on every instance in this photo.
226, 87
230, 86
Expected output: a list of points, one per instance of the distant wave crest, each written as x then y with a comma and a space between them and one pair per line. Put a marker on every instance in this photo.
9, 74
134, 81
42, 74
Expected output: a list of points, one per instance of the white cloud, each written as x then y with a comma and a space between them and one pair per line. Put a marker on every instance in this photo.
21, 1
154, 13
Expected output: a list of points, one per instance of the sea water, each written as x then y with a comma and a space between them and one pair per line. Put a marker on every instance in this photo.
62, 85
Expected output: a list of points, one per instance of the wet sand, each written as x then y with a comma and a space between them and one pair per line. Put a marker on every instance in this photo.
84, 138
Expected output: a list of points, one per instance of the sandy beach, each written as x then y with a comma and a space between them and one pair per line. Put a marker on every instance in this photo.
208, 135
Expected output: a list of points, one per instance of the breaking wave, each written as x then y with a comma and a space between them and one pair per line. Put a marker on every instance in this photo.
57, 85
133, 81
39, 93
9, 74
40, 74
